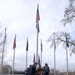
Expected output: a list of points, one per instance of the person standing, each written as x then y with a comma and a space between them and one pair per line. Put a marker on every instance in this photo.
46, 69
33, 69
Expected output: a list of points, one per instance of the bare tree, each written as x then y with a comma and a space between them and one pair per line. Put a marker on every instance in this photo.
69, 13
2, 47
60, 38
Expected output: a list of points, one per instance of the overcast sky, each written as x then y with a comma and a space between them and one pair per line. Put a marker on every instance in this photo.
19, 17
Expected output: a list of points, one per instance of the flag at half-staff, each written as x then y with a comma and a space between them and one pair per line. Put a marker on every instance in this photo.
37, 27
27, 53
14, 46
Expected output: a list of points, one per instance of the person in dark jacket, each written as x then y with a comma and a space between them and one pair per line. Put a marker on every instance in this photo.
46, 69
33, 69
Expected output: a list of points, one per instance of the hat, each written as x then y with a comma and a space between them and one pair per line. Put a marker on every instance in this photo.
46, 64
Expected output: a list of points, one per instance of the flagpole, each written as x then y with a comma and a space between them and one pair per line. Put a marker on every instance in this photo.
67, 59
54, 57
26, 58
41, 58
41, 52
27, 53
37, 48
13, 60
66, 56
37, 27
14, 46
3, 53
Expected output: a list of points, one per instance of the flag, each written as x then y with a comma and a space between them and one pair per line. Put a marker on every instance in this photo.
37, 14
14, 44
67, 44
27, 45
37, 18
41, 46
34, 59
5, 36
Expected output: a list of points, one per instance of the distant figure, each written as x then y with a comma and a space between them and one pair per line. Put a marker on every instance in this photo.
46, 69
33, 69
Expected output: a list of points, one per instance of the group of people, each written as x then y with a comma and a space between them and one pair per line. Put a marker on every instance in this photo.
37, 70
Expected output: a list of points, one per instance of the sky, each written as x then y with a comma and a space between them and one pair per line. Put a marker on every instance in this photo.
19, 16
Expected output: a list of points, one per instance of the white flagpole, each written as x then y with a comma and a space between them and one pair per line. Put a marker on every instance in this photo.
26, 59
27, 54
41, 52
13, 60
41, 58
67, 59
37, 27
54, 57
37, 42
66, 55
37, 48
14, 46
3, 53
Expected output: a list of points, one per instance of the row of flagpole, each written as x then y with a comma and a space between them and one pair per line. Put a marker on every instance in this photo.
14, 45
34, 59
37, 27
67, 45
37, 39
